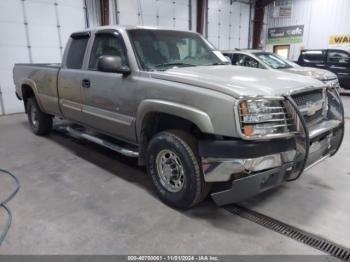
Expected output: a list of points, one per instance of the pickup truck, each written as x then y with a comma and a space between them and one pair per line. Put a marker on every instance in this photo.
334, 60
170, 99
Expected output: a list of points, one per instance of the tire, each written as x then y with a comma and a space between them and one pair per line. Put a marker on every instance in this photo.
178, 150
40, 123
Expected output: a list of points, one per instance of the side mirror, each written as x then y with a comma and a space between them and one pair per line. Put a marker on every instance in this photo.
112, 64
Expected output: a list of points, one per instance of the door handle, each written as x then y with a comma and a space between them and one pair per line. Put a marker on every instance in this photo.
85, 83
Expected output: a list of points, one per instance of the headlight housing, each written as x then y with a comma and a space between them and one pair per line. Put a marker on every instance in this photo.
334, 83
263, 118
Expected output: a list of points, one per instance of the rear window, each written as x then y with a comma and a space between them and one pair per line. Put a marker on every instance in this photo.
76, 52
313, 56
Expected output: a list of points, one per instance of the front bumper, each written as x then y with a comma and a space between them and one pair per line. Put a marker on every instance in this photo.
237, 158
251, 185
243, 169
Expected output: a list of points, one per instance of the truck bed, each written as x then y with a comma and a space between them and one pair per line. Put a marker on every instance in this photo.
51, 65
42, 77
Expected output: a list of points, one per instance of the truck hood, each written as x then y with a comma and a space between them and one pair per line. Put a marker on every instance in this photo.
317, 73
238, 81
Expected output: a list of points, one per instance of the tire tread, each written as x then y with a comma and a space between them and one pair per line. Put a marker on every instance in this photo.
189, 144
45, 120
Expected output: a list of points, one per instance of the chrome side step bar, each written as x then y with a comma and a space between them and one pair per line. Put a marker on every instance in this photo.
97, 140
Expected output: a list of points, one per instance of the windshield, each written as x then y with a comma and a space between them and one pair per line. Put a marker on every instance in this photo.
276, 62
165, 49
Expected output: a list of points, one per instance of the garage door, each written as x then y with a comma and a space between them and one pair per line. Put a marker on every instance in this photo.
167, 13
33, 31
228, 24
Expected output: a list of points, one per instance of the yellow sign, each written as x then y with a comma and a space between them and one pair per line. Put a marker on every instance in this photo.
339, 39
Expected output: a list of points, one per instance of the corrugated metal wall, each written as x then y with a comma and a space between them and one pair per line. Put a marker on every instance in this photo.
228, 24
33, 31
321, 19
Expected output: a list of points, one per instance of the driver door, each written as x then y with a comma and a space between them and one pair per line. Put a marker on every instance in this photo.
108, 97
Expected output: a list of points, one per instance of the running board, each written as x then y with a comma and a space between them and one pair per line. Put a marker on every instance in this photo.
100, 141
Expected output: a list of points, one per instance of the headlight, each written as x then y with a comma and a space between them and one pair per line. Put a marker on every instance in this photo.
332, 83
264, 118
335, 83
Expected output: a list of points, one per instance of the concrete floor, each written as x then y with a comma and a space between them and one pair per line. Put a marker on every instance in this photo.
78, 198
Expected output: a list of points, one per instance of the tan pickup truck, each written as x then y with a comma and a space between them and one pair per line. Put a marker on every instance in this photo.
199, 125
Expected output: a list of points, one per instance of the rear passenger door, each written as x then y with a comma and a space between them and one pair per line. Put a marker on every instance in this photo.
338, 62
71, 75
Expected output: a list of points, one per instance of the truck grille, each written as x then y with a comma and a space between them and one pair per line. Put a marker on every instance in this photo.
309, 97
311, 105
315, 118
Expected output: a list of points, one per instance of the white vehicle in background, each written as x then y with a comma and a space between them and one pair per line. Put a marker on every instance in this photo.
267, 60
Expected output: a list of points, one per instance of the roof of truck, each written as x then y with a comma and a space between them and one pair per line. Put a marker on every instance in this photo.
126, 27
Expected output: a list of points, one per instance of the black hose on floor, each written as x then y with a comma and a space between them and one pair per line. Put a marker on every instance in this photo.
3, 204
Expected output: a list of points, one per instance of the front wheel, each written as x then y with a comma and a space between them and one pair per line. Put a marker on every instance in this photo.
40, 122
174, 166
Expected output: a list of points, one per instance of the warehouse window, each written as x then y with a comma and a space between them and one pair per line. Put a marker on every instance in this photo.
76, 52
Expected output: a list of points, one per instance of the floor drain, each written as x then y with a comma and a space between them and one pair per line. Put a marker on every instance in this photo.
295, 233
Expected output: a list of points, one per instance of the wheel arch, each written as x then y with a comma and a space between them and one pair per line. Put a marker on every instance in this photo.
154, 116
28, 89
196, 116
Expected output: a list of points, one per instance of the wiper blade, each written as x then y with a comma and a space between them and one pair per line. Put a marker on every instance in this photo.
174, 64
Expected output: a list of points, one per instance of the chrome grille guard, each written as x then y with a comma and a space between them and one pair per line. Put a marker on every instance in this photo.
306, 135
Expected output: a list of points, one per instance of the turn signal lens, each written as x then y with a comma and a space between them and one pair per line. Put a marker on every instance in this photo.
248, 130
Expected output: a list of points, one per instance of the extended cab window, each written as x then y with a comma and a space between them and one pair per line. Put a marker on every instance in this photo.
107, 44
313, 56
338, 57
76, 52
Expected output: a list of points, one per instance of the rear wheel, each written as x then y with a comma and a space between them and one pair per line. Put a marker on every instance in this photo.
173, 163
40, 123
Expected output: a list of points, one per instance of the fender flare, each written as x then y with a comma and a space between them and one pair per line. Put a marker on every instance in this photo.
194, 115
32, 85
